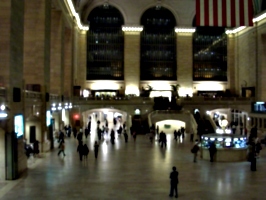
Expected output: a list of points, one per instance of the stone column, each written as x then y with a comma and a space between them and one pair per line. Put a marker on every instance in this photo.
68, 64
132, 62
231, 72
81, 67
57, 27
12, 158
37, 32
184, 45
261, 76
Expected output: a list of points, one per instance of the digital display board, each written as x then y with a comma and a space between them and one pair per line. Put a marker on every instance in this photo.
258, 107
48, 117
19, 125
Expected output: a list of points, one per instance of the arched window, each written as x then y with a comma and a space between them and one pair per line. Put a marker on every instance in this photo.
209, 54
158, 45
105, 44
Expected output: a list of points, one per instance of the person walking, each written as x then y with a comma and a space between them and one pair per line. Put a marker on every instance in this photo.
61, 148
85, 151
125, 135
96, 148
173, 182
175, 135
80, 136
195, 150
80, 150
134, 136
112, 135
164, 140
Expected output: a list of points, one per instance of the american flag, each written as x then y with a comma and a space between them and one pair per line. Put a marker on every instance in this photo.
224, 13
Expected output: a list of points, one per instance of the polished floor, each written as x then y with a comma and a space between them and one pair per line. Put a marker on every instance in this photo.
134, 170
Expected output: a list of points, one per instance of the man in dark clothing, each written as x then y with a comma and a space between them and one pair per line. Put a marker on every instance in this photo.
212, 151
173, 182
80, 150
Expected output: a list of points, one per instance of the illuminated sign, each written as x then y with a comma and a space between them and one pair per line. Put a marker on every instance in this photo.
19, 125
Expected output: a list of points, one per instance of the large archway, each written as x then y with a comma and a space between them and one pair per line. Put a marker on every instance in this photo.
106, 119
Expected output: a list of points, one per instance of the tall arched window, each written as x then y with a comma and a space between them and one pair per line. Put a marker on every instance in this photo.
105, 44
158, 45
209, 54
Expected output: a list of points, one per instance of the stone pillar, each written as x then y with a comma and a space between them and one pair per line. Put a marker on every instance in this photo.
184, 45
231, 71
132, 62
68, 63
37, 32
56, 51
12, 158
81, 67
261, 76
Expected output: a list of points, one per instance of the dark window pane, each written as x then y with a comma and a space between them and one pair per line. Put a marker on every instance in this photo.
210, 54
105, 44
158, 45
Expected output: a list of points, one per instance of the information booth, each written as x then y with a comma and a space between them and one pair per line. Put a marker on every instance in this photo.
230, 147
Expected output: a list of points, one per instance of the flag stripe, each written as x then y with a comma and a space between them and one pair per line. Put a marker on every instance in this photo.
211, 13
250, 13
241, 12
237, 14
202, 13
198, 17
220, 22
226, 13
215, 13
206, 16
233, 13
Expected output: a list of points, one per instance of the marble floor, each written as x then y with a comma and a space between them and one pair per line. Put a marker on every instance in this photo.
137, 170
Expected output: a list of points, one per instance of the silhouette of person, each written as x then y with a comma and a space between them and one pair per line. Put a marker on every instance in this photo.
195, 150
112, 135
85, 151
134, 135
61, 148
96, 148
126, 136
212, 150
80, 150
252, 156
173, 182
163, 140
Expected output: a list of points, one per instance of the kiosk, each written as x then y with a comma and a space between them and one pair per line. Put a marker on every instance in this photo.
230, 147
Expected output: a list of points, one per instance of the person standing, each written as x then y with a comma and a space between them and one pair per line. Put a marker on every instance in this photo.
173, 182
164, 140
252, 156
134, 136
175, 135
96, 148
112, 135
212, 150
36, 150
80, 150
195, 150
